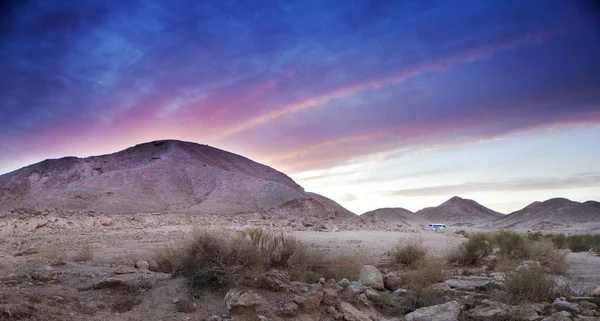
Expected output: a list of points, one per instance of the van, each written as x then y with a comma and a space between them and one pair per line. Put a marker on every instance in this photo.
437, 227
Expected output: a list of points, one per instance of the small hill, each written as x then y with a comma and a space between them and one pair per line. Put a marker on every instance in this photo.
554, 213
459, 212
394, 215
160, 176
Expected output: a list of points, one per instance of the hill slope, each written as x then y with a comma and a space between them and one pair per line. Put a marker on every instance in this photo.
395, 215
459, 212
553, 213
159, 176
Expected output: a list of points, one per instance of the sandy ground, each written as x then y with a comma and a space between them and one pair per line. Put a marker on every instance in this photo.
31, 244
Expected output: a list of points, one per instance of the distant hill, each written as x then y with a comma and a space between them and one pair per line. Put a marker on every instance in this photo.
160, 176
395, 215
551, 214
459, 212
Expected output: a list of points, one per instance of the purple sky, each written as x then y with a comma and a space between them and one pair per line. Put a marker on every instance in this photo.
372, 103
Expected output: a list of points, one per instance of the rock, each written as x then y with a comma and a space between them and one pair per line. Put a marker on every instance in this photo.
106, 221
124, 269
29, 251
588, 305
465, 285
561, 304
175, 301
334, 313
214, 318
331, 284
330, 297
489, 286
344, 283
400, 292
441, 312
288, 310
310, 301
276, 281
529, 264
186, 306
322, 280
392, 282
370, 276
242, 304
141, 264
489, 310
596, 292
558, 316
356, 286
371, 294
109, 283
351, 313
42, 275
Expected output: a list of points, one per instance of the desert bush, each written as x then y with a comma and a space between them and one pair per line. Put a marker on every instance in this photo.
408, 252
553, 260
419, 282
530, 285
583, 242
309, 264
85, 253
216, 258
559, 240
275, 248
511, 245
472, 251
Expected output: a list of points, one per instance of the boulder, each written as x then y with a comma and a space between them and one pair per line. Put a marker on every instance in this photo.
334, 313
141, 264
488, 310
442, 312
370, 276
561, 304
186, 306
351, 313
392, 281
242, 304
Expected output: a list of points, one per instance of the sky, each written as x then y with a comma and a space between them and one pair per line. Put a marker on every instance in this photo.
371, 103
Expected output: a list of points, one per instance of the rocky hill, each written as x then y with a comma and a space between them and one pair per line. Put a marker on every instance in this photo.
396, 215
159, 176
554, 213
459, 212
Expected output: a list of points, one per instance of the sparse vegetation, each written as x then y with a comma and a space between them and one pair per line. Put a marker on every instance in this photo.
408, 252
530, 285
511, 245
308, 264
85, 253
472, 251
217, 258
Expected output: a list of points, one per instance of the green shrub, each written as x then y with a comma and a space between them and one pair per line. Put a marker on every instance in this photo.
472, 251
583, 242
408, 252
511, 245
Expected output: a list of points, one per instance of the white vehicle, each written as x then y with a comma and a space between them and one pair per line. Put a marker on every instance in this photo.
437, 227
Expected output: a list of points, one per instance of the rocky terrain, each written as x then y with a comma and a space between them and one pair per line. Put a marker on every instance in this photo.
459, 212
161, 176
556, 213
396, 215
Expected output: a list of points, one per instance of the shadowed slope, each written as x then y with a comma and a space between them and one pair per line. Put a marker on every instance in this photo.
553, 213
159, 176
395, 215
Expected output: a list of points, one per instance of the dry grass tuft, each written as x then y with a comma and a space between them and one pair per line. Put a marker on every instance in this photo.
472, 251
308, 264
409, 252
530, 285
85, 253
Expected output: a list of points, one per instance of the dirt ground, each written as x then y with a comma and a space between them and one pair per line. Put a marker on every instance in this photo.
43, 276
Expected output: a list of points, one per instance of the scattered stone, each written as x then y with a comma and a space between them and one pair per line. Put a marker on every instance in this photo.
558, 316
561, 304
124, 269
344, 283
109, 283
392, 281
441, 312
351, 313
175, 301
242, 304
322, 280
370, 276
141, 264
400, 292
214, 318
42, 275
489, 310
334, 313
106, 221
186, 306
596, 292
356, 286
288, 310
29, 251
529, 264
